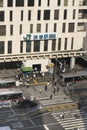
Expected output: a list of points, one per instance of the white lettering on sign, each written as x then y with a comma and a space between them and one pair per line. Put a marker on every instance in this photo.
41, 36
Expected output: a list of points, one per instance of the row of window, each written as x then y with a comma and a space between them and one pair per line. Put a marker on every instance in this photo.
71, 27
36, 47
46, 15
21, 3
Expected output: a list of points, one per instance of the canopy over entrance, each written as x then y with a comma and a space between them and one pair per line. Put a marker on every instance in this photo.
26, 69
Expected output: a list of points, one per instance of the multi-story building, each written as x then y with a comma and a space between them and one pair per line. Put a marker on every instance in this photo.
37, 31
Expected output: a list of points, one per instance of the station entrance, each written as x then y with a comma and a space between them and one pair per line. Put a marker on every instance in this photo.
36, 67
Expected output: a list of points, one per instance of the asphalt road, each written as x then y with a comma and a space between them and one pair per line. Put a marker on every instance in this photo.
44, 121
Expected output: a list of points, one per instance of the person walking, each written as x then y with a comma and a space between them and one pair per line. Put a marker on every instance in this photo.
40, 91
51, 96
46, 87
54, 90
48, 83
57, 89
62, 115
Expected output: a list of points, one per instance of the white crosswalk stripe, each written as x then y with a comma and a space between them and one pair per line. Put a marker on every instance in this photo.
72, 119
55, 100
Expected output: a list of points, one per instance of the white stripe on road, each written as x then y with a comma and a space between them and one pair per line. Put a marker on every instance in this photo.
46, 127
32, 122
12, 111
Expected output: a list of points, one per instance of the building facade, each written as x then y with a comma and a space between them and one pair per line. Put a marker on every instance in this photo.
37, 31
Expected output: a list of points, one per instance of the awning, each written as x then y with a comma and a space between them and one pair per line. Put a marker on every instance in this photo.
26, 69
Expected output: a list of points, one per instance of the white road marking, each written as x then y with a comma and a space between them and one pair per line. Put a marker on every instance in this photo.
32, 122
46, 127
13, 111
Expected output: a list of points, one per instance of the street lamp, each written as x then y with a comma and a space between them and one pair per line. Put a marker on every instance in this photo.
55, 68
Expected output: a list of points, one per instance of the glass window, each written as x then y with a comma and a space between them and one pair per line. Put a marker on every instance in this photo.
55, 27
45, 45
38, 27
64, 27
10, 3
72, 40
73, 2
11, 29
46, 29
29, 15
53, 45
19, 3
3, 97
31, 28
36, 46
56, 14
65, 47
39, 15
20, 28
48, 2
74, 14
1, 3
46, 14
58, 2
21, 47
30, 2
9, 46
28, 46
71, 27
65, 2
22, 15
65, 14
1, 16
1, 47
11, 15
59, 44
39, 2
2, 30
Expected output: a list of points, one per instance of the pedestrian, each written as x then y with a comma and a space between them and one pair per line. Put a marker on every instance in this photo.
62, 115
77, 128
55, 82
54, 90
34, 76
42, 74
45, 87
51, 96
57, 89
48, 83
40, 91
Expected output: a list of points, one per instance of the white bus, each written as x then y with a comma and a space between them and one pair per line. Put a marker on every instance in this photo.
7, 97
7, 83
72, 77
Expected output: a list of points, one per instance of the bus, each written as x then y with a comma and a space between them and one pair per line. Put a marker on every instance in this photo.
7, 83
9, 96
72, 77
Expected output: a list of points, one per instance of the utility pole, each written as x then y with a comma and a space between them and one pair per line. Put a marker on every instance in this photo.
73, 83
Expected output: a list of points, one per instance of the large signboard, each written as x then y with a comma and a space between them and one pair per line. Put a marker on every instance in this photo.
40, 36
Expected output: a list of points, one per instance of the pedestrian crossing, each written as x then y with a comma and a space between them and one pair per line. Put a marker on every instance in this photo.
54, 100
73, 119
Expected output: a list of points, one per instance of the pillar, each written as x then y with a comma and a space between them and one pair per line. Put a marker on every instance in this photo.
72, 63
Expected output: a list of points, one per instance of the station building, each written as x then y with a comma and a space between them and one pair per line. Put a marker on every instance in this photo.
37, 31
